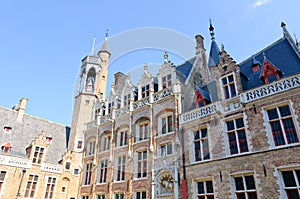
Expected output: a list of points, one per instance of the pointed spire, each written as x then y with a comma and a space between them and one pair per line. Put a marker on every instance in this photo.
283, 26
104, 47
214, 53
166, 57
211, 29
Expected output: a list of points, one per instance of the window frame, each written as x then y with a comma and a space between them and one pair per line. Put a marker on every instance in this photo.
166, 81
235, 131
140, 192
52, 187
2, 181
142, 131
102, 171
164, 149
202, 147
36, 159
141, 168
36, 186
123, 138
269, 131
120, 168
106, 142
245, 190
119, 195
227, 86
87, 175
283, 188
165, 127
206, 194
91, 148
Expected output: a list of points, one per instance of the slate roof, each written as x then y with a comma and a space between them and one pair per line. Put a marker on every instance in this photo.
186, 67
214, 54
281, 54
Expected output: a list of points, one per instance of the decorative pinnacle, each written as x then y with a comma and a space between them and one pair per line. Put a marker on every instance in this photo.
211, 29
166, 56
106, 34
264, 54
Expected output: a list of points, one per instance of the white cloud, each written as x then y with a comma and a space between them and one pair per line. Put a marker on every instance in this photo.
260, 3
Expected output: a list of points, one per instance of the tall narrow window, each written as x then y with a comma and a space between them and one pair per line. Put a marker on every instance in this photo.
31, 186
91, 148
123, 138
205, 190
126, 100
143, 131
201, 146
106, 143
120, 175
282, 125
103, 171
245, 187
2, 178
50, 186
38, 155
167, 124
87, 174
141, 195
166, 81
110, 107
79, 144
237, 136
291, 182
229, 87
142, 164
145, 91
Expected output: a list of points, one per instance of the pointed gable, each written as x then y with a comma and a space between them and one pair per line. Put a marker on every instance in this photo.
214, 54
268, 70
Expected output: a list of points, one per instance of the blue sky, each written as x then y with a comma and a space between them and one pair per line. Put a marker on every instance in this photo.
42, 42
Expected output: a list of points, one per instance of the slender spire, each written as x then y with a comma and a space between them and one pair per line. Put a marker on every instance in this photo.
211, 29
93, 47
106, 34
104, 47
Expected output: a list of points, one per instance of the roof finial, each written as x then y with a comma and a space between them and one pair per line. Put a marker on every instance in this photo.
211, 29
264, 54
106, 34
166, 56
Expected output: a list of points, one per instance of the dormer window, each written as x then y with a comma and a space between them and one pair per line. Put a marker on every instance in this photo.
229, 87
145, 91
38, 155
7, 129
269, 72
166, 81
6, 148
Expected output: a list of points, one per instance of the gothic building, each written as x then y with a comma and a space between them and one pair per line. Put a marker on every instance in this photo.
207, 128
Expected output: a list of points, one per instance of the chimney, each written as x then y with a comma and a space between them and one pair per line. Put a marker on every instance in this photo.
199, 44
21, 108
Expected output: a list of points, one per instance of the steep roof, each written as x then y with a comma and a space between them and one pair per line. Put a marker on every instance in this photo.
186, 67
214, 54
281, 54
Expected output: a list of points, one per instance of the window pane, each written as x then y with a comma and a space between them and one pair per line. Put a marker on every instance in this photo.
242, 141
290, 130
250, 184
232, 89
232, 143
230, 78
272, 114
284, 111
240, 196
224, 80
288, 178
239, 183
230, 125
292, 193
196, 135
209, 187
277, 133
203, 133
239, 123
252, 195
200, 187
